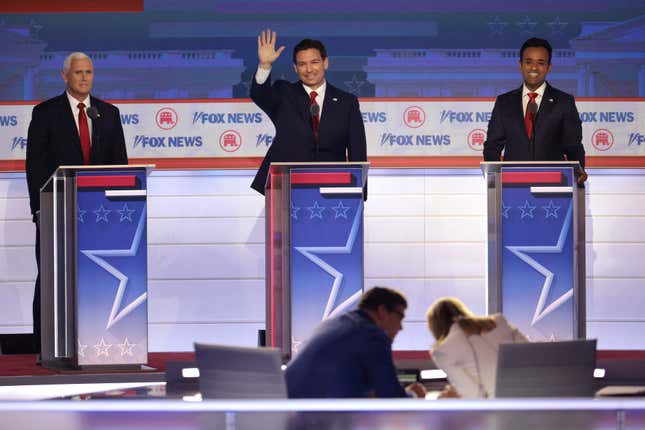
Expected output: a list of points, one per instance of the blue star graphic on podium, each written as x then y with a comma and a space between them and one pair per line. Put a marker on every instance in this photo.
118, 311
81, 215
102, 214
315, 210
126, 213
340, 210
527, 210
551, 210
311, 253
294, 211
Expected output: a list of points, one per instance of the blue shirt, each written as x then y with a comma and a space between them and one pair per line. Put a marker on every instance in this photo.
347, 356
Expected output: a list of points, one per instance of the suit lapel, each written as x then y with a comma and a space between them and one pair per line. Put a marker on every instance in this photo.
67, 121
546, 107
300, 101
518, 113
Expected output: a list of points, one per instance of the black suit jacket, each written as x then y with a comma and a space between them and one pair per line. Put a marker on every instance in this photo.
341, 134
557, 129
53, 141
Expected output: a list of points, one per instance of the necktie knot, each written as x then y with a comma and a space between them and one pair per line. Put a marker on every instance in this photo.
81, 106
312, 97
532, 97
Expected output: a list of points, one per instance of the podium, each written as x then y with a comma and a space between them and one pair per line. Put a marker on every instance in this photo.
93, 276
536, 247
314, 247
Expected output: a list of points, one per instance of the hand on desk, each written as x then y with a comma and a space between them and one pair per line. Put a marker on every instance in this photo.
448, 392
417, 389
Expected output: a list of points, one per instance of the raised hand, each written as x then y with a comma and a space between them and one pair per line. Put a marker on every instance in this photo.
267, 53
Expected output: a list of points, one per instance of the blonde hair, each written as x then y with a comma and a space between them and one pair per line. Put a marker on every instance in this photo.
443, 313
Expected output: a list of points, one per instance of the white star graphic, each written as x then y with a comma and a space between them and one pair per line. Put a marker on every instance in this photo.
557, 26
316, 210
340, 210
540, 310
126, 347
102, 214
310, 251
102, 348
526, 25
354, 86
551, 210
497, 26
81, 349
126, 213
527, 210
115, 314
81, 215
294, 211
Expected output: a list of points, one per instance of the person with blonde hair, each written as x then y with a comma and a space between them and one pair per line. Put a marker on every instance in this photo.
466, 347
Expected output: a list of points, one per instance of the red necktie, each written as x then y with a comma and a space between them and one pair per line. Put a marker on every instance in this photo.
315, 119
84, 133
528, 118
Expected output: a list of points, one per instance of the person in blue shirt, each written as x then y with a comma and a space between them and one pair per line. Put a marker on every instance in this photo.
351, 355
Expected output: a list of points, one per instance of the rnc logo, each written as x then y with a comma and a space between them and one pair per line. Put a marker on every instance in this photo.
230, 141
166, 118
414, 117
602, 139
476, 139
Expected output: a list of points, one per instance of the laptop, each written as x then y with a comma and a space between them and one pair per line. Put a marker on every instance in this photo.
229, 372
546, 369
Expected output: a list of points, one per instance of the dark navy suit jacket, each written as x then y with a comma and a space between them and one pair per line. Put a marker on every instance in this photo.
557, 129
341, 134
53, 141
347, 356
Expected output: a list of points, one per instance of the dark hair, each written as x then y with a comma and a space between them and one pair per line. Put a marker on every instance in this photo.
378, 296
305, 44
535, 42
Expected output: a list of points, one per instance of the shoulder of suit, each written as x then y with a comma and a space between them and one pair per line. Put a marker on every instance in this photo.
554, 92
51, 103
338, 93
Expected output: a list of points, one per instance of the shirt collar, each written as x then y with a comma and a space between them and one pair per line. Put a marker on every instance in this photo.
74, 102
320, 90
540, 90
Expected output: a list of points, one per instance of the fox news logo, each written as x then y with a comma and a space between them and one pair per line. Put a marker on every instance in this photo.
415, 140
8, 120
462, 117
414, 117
224, 118
374, 117
263, 139
129, 118
166, 118
612, 117
230, 141
602, 139
18, 143
636, 139
167, 141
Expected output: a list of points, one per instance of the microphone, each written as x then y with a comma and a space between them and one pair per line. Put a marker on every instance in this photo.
315, 110
93, 112
533, 108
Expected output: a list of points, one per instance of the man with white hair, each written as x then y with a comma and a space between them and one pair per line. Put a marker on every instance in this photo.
73, 128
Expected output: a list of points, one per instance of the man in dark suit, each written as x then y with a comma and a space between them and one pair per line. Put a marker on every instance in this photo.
314, 121
64, 132
351, 355
535, 122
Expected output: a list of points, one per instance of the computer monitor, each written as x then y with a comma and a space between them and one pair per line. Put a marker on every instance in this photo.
229, 372
546, 369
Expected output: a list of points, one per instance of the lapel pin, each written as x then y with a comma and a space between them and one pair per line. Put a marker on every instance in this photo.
334, 99
550, 100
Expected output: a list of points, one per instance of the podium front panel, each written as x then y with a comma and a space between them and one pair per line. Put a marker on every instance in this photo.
112, 315
537, 215
326, 249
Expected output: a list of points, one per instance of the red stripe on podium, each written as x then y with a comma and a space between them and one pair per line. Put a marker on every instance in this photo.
321, 178
105, 181
531, 177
